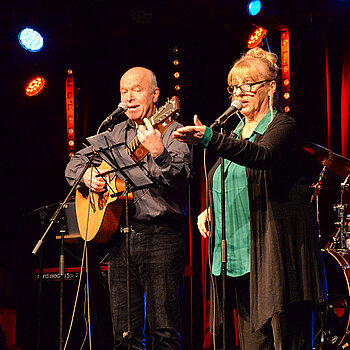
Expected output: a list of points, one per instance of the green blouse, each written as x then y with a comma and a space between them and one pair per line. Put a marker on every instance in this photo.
237, 215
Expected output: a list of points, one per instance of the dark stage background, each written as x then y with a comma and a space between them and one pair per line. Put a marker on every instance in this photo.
99, 40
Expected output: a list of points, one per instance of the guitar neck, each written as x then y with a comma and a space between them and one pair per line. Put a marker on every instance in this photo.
171, 107
136, 142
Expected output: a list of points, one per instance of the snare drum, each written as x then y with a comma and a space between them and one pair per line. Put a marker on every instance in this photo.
336, 313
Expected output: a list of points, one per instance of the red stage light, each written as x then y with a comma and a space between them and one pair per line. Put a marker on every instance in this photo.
257, 37
35, 86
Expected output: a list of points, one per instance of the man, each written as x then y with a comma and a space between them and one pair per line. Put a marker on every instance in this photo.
157, 219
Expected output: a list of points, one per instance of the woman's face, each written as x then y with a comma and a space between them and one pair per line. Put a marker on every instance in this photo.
256, 101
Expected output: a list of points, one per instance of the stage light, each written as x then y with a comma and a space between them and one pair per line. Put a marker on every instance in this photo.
35, 86
285, 54
257, 37
254, 7
70, 112
177, 73
30, 40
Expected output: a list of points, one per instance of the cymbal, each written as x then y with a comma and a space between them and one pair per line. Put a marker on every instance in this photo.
333, 161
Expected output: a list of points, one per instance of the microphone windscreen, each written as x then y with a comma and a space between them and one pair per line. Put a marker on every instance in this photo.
237, 104
123, 106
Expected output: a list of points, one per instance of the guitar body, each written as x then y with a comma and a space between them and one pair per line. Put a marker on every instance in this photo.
98, 217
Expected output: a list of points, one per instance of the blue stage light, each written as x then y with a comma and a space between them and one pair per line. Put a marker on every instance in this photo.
31, 40
254, 7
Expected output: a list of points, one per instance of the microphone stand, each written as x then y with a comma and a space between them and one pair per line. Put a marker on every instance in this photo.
63, 231
41, 240
127, 231
42, 224
42, 211
223, 250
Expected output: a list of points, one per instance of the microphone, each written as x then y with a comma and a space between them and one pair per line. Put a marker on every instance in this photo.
111, 119
235, 107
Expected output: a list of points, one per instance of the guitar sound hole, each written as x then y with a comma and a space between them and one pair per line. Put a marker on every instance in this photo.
102, 199
139, 152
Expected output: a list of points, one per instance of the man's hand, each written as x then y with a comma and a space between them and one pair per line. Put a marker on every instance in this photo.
97, 183
150, 138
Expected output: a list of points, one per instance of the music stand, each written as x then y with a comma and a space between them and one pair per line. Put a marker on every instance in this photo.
136, 177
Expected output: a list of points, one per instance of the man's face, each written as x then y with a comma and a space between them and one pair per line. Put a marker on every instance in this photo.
139, 93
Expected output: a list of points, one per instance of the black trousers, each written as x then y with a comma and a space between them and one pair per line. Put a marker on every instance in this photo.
156, 277
291, 329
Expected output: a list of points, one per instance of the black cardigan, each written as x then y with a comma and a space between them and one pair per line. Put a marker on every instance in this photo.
286, 261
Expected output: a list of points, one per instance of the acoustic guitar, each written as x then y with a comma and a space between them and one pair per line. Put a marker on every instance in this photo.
98, 215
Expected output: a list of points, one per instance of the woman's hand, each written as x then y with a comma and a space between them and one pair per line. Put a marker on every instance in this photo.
202, 222
190, 134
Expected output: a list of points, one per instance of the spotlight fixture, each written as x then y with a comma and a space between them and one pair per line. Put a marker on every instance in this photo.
253, 7
30, 40
35, 86
257, 37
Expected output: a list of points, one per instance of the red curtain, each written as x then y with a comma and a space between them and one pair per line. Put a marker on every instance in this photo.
345, 103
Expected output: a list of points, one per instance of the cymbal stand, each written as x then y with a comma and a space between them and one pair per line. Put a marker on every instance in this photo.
317, 188
340, 208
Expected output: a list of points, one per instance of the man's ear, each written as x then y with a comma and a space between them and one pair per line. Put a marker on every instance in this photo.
156, 95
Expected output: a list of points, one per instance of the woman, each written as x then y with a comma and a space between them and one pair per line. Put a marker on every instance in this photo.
273, 260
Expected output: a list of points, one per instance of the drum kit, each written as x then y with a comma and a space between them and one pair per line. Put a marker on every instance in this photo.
332, 326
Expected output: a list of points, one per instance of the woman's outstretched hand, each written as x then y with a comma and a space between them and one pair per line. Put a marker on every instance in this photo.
190, 134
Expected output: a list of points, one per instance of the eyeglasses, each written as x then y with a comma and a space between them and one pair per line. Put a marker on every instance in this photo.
246, 87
